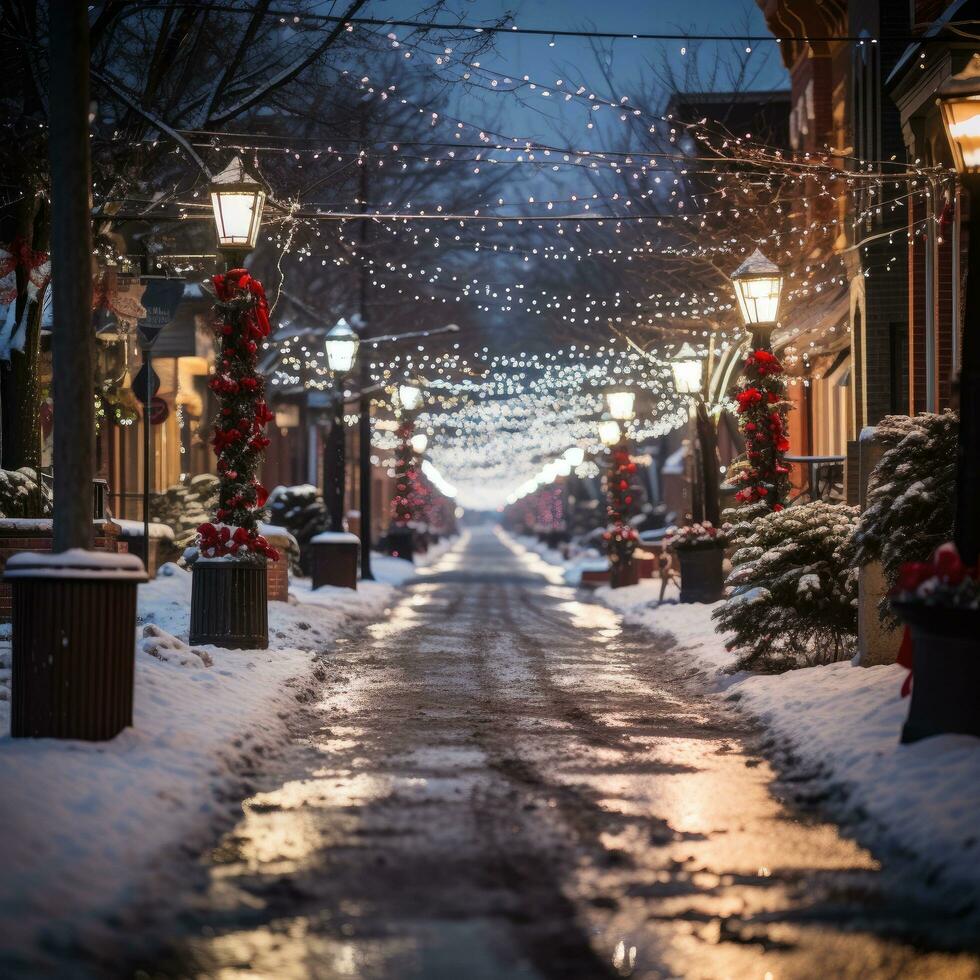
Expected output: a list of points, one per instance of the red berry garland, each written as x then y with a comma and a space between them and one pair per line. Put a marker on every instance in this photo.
402, 503
762, 410
239, 429
620, 537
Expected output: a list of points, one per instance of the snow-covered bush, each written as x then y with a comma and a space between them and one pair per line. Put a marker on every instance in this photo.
911, 495
301, 511
793, 596
23, 495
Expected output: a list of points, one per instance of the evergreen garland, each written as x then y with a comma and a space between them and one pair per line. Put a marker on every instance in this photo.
793, 598
239, 429
762, 411
911, 496
622, 504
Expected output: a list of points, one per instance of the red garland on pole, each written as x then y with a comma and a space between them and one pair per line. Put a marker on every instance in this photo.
402, 503
762, 411
620, 536
239, 429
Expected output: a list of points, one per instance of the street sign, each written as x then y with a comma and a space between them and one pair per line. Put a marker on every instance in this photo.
139, 383
160, 299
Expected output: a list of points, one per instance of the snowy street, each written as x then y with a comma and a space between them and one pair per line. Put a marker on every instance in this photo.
501, 779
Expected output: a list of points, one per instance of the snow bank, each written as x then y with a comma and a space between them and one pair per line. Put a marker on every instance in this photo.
87, 828
839, 726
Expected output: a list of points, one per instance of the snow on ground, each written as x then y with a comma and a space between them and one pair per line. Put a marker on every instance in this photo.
86, 828
840, 725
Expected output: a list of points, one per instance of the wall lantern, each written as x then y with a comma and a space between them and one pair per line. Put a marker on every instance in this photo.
959, 99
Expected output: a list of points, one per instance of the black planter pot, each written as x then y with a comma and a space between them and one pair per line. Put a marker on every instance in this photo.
230, 605
702, 578
74, 644
946, 671
401, 543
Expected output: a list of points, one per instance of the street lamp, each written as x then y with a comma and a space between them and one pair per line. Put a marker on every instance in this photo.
609, 432
575, 456
409, 396
758, 283
959, 98
341, 347
620, 404
237, 200
420, 442
688, 368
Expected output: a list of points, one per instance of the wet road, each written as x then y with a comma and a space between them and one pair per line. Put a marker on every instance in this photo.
501, 780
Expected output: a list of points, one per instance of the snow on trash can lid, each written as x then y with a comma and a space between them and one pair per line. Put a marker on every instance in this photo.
76, 563
335, 537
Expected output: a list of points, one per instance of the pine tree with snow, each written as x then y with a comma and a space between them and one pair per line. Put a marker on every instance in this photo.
793, 598
911, 495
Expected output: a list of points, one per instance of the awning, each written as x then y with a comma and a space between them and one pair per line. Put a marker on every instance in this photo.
815, 332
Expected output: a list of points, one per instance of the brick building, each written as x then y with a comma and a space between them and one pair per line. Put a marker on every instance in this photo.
872, 104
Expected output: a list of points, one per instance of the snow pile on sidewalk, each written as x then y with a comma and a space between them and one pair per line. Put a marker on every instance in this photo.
840, 725
87, 829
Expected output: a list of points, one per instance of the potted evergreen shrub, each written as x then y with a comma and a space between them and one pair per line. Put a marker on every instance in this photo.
700, 549
939, 601
229, 603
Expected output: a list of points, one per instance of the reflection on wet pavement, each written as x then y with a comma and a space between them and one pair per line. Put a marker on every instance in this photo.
503, 780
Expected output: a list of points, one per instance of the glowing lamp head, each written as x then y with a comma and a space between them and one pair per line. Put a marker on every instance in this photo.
420, 442
410, 396
621, 404
609, 432
237, 200
758, 283
341, 346
959, 99
688, 368
575, 456
562, 467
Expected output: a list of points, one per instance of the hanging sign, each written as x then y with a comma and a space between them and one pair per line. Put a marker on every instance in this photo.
160, 299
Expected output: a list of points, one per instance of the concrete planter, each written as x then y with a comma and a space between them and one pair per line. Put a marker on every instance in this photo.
946, 671
229, 604
702, 574
73, 649
334, 559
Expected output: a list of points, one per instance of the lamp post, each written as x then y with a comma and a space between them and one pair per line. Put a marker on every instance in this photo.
687, 367
341, 347
959, 99
401, 534
758, 283
237, 200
